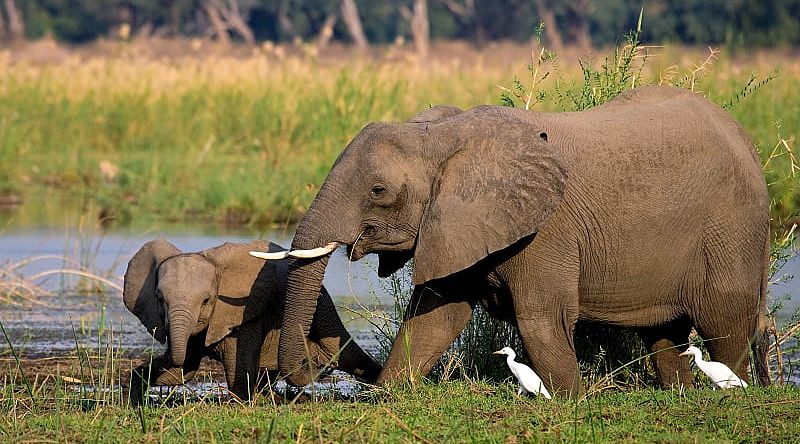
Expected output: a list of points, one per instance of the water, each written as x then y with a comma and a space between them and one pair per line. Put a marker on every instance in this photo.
52, 325
44, 326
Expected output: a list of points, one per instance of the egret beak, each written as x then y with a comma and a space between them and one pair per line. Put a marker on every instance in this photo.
498, 352
686, 353
300, 254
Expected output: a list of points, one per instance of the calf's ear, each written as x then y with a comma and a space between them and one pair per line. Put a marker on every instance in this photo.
140, 284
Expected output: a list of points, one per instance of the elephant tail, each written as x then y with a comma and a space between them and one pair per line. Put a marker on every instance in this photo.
760, 343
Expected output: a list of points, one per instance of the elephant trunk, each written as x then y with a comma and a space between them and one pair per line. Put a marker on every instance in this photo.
182, 321
302, 290
321, 225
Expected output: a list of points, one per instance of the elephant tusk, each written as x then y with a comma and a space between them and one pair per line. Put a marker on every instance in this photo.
270, 256
300, 254
314, 252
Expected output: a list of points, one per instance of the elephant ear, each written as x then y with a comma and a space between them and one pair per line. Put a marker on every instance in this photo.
436, 113
503, 182
391, 261
141, 279
248, 287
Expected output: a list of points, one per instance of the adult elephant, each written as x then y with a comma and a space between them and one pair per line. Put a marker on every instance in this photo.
649, 212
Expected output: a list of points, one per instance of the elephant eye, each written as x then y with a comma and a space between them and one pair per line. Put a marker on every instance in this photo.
206, 300
377, 190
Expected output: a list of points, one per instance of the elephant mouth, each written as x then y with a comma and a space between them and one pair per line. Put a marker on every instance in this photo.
359, 249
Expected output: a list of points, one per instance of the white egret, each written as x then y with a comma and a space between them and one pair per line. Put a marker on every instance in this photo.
529, 381
720, 373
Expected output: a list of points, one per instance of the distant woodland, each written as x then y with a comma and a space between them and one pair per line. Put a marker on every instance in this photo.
582, 23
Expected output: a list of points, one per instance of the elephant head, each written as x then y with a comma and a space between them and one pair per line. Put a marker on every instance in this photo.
446, 188
180, 295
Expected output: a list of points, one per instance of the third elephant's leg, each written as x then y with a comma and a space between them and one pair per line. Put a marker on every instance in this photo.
728, 312
661, 341
160, 371
432, 322
544, 291
240, 353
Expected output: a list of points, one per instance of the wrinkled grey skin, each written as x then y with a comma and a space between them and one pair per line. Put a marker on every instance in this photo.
227, 305
648, 212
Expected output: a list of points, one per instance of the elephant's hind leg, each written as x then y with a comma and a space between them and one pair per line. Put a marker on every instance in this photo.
545, 294
727, 313
672, 370
552, 354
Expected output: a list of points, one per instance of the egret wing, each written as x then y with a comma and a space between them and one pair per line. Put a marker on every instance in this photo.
530, 381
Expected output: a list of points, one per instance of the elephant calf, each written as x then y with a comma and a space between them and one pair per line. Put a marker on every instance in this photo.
225, 304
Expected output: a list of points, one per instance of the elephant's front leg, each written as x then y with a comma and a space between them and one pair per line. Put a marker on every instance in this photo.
431, 324
160, 371
240, 353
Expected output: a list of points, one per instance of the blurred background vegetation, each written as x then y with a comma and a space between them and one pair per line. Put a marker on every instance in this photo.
582, 22
233, 110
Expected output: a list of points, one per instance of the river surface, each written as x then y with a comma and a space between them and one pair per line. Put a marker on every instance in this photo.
43, 325
53, 324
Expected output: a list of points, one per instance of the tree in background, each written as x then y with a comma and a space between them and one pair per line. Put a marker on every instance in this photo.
582, 23
14, 27
226, 15
420, 27
352, 20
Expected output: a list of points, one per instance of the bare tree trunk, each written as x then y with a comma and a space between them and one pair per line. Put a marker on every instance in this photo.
467, 16
233, 17
353, 23
220, 30
548, 18
465, 11
16, 27
420, 29
580, 24
285, 22
326, 32
2, 25
174, 19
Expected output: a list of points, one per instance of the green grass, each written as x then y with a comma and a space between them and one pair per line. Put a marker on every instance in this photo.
446, 412
249, 140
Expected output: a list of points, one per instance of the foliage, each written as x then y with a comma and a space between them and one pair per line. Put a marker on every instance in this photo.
741, 23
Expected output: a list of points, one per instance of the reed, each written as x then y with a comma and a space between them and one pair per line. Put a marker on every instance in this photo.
249, 139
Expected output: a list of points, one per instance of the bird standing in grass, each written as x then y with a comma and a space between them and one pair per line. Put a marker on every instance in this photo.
720, 373
529, 381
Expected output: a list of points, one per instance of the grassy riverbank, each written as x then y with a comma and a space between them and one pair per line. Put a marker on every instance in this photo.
247, 139
447, 412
